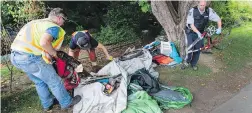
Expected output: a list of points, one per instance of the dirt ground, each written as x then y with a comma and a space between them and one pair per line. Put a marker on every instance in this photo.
209, 91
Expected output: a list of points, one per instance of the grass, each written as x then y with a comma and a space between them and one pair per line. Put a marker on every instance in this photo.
178, 76
236, 55
26, 101
203, 71
5, 72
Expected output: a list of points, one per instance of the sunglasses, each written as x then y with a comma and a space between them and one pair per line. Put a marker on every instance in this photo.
64, 18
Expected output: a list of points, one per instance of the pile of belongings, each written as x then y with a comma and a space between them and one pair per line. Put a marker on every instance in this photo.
66, 67
164, 53
128, 84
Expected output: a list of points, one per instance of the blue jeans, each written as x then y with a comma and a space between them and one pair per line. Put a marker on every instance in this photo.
44, 76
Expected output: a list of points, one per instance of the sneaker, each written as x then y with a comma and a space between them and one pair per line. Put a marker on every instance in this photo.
76, 99
195, 68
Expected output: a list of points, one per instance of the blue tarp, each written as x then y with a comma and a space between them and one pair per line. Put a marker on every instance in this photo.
174, 54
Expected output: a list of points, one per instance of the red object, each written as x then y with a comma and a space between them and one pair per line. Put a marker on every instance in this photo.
61, 68
69, 84
71, 78
92, 55
162, 59
211, 42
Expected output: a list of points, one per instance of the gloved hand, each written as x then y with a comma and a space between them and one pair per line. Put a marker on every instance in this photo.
218, 31
109, 57
199, 35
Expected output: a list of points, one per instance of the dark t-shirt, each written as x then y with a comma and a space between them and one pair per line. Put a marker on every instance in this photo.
73, 44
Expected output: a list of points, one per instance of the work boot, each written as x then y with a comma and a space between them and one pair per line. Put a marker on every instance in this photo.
195, 68
76, 99
48, 110
184, 65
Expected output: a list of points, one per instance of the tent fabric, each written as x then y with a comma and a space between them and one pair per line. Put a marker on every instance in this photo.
141, 102
94, 101
142, 61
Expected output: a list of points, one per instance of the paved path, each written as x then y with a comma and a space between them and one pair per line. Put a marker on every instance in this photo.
240, 103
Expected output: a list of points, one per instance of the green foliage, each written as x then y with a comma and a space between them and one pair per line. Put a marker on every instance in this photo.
233, 12
112, 35
145, 6
121, 14
17, 13
241, 10
121, 24
79, 28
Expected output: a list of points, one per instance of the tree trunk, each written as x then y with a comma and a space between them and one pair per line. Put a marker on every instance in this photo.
172, 16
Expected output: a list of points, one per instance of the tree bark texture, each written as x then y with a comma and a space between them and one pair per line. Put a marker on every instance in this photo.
172, 16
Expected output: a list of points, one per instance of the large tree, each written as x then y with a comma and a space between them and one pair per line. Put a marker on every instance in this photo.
172, 16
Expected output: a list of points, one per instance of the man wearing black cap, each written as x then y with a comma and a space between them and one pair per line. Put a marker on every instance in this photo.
83, 40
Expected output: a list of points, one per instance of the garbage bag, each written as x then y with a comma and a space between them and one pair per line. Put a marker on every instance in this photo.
176, 97
143, 78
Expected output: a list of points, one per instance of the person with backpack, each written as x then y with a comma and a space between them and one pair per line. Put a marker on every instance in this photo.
31, 52
197, 19
82, 40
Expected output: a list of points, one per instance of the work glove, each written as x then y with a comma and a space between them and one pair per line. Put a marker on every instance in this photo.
199, 35
218, 31
109, 58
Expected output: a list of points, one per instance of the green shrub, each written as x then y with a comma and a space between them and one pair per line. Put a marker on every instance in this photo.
124, 14
111, 35
121, 23
221, 8
145, 6
17, 13
233, 12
